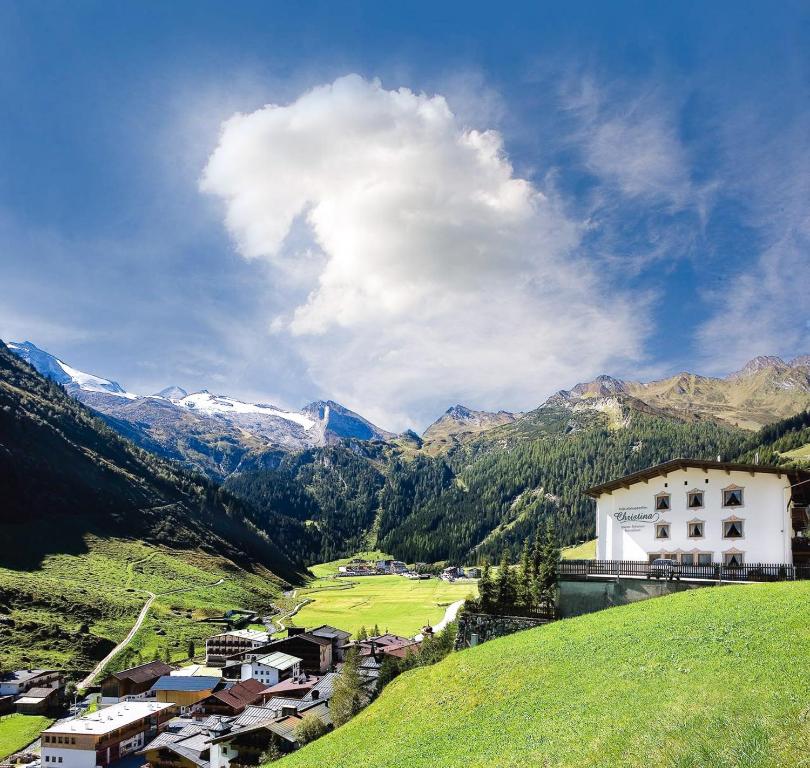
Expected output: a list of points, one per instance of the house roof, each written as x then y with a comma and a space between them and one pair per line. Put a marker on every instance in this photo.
185, 683
144, 672
676, 464
325, 687
39, 693
257, 635
239, 695
24, 675
278, 660
303, 636
294, 684
110, 718
326, 630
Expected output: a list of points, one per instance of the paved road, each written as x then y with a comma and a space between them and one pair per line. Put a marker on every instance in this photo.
88, 681
449, 615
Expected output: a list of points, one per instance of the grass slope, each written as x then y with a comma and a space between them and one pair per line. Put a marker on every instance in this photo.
18, 731
710, 677
72, 610
584, 551
393, 603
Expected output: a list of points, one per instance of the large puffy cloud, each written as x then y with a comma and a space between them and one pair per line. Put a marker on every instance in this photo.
440, 274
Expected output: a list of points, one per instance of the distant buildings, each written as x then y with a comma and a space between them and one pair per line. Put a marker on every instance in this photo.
104, 736
184, 691
23, 680
272, 668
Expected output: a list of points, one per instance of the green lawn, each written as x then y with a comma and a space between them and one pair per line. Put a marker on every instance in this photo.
72, 610
393, 603
584, 551
802, 452
18, 731
710, 678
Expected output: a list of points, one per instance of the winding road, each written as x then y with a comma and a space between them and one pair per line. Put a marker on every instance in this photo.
449, 615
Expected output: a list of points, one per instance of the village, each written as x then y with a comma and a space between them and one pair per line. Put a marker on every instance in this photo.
254, 696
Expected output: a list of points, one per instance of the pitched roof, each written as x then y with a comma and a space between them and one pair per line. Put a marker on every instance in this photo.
184, 683
325, 687
279, 660
326, 630
24, 675
676, 464
239, 695
40, 693
144, 672
294, 684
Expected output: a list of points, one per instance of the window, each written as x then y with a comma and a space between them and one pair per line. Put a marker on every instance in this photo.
733, 558
662, 501
72, 739
695, 528
694, 499
662, 530
733, 528
697, 558
60, 759
732, 496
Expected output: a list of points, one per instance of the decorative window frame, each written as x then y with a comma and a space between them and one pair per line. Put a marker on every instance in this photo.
733, 551
695, 554
693, 492
732, 519
661, 495
690, 523
669, 530
732, 487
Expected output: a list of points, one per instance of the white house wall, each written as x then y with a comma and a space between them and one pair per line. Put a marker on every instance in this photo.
627, 517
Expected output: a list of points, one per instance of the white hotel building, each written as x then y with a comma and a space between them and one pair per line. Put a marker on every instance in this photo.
701, 512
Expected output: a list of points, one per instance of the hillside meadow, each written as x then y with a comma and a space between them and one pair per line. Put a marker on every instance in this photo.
711, 677
393, 603
70, 612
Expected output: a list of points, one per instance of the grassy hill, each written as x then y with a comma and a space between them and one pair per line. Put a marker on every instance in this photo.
73, 609
712, 677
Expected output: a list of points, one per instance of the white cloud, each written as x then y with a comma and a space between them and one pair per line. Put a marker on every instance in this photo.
440, 274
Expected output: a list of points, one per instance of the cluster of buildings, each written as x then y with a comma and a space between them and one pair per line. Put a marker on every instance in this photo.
31, 691
454, 572
360, 567
252, 692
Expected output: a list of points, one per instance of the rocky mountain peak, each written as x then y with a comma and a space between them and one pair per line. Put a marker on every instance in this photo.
760, 363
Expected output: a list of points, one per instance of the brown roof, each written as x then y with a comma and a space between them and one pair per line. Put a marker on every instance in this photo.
40, 693
675, 464
144, 673
239, 695
294, 684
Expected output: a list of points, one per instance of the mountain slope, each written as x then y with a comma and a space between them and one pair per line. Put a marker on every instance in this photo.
459, 423
701, 678
64, 474
215, 434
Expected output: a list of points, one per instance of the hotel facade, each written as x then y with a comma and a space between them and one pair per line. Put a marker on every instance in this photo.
702, 512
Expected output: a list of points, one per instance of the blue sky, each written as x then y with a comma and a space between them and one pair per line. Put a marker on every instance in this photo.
418, 206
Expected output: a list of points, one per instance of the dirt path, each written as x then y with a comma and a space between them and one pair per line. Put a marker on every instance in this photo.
88, 681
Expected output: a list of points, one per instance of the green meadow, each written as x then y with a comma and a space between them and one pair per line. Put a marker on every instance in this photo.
18, 731
584, 551
710, 678
393, 603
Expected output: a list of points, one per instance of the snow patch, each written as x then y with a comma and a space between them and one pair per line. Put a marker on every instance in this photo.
205, 402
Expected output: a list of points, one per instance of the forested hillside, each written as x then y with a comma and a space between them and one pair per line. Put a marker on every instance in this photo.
485, 496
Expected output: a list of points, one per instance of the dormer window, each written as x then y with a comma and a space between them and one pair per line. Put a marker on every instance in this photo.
695, 529
662, 530
733, 496
694, 499
662, 502
733, 528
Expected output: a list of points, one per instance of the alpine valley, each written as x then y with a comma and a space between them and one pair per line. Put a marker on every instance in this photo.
475, 483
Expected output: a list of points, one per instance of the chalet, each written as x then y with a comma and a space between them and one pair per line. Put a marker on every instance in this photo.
271, 668
132, 683
338, 637
104, 736
231, 701
38, 701
452, 573
315, 652
185, 743
702, 512
472, 573
184, 691
23, 680
221, 647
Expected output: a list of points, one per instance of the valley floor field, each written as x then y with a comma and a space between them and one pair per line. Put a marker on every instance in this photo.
73, 610
711, 677
393, 603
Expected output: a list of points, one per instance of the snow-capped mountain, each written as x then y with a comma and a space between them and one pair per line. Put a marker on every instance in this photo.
53, 368
214, 433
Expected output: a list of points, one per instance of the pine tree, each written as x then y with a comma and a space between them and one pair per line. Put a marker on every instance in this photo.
525, 578
486, 589
376, 631
505, 586
362, 634
347, 696
547, 576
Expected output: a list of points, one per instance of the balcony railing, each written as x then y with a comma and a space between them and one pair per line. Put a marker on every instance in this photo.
582, 569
